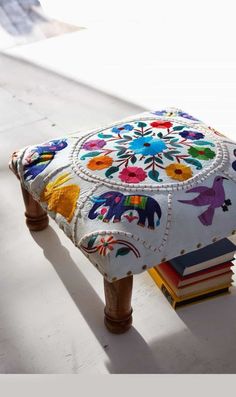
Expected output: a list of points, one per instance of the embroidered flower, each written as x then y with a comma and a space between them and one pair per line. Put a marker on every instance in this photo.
161, 124
94, 144
106, 245
180, 172
191, 135
147, 146
201, 153
99, 163
123, 128
132, 175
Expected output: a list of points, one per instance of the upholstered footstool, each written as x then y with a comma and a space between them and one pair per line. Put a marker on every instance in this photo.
132, 195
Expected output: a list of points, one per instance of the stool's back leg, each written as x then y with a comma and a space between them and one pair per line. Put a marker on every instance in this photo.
118, 310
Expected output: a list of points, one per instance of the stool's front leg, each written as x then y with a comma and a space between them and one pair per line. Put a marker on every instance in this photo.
36, 217
118, 310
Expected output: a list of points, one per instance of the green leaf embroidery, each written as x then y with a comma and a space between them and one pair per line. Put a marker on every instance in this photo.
123, 251
104, 136
174, 140
133, 159
160, 135
148, 160
153, 174
168, 156
91, 241
141, 124
203, 143
158, 160
124, 156
127, 137
194, 162
111, 171
175, 144
90, 154
122, 151
178, 128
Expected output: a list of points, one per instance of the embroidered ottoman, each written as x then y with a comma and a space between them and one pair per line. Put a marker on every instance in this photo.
131, 195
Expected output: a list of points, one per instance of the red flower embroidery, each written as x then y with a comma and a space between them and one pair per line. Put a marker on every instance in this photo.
161, 124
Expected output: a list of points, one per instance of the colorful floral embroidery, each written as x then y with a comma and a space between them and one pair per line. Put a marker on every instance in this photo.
213, 197
148, 146
152, 144
161, 124
132, 175
106, 244
61, 199
114, 204
201, 153
180, 172
40, 157
100, 162
94, 144
191, 135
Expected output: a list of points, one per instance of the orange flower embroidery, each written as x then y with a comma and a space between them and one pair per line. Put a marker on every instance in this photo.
179, 172
99, 163
61, 199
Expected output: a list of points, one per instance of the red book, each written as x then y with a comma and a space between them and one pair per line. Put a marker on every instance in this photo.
174, 278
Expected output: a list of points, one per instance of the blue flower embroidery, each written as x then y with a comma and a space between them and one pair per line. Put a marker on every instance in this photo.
123, 128
147, 146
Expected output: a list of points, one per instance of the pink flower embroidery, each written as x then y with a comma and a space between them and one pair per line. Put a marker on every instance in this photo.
132, 175
95, 144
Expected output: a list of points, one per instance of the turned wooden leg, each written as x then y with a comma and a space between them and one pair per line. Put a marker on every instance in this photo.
36, 217
118, 310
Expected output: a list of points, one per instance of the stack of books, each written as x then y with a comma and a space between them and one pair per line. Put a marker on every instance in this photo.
196, 275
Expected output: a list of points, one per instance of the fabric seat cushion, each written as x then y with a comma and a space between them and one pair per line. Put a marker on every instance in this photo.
139, 192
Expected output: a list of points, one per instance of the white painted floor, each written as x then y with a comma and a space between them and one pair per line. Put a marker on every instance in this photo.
51, 298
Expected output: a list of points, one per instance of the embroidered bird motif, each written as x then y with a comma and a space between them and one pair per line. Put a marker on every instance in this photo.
61, 198
213, 196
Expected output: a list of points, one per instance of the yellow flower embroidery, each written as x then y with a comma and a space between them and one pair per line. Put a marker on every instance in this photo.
99, 163
61, 199
180, 172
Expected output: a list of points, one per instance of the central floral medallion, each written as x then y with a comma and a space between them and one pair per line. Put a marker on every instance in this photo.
146, 151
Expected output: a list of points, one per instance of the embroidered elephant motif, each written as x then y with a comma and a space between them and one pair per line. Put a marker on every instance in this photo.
118, 204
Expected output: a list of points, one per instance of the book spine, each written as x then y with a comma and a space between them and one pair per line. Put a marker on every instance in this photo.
154, 274
168, 296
